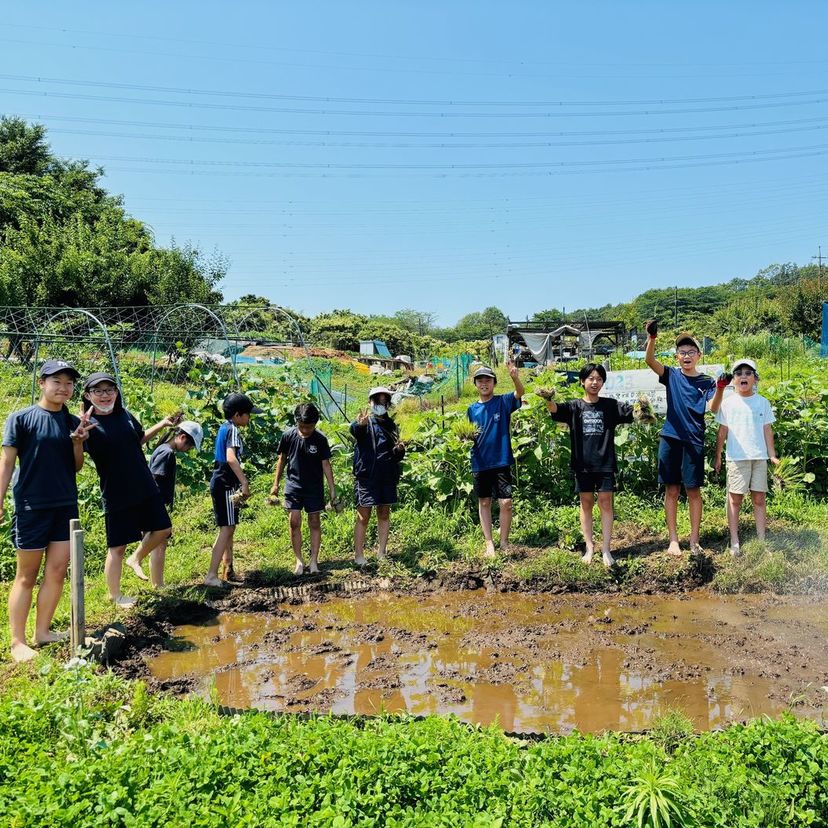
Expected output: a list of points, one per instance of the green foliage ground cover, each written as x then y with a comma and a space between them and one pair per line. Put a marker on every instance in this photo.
85, 749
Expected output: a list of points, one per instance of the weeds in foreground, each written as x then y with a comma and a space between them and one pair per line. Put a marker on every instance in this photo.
655, 799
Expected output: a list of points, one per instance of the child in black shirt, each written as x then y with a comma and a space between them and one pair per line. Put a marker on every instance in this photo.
305, 455
592, 421
162, 465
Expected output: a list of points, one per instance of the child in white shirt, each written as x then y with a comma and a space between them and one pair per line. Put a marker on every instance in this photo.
745, 419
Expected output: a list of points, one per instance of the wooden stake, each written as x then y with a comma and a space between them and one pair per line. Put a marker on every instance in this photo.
77, 631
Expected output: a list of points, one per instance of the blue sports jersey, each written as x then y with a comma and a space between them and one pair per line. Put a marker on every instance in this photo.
228, 437
686, 403
492, 448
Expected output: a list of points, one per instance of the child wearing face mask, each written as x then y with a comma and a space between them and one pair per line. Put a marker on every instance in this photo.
377, 457
133, 507
745, 420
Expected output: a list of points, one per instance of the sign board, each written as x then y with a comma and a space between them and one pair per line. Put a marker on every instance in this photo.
628, 386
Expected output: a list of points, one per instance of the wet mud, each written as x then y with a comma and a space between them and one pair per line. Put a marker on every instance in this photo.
528, 662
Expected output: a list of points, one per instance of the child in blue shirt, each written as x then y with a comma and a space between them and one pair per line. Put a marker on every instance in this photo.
681, 447
228, 483
491, 454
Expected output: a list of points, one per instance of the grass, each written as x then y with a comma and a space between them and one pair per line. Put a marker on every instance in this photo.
87, 749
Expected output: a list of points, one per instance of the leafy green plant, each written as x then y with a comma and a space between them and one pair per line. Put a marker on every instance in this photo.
655, 799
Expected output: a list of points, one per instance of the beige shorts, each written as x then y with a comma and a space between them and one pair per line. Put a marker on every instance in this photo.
745, 476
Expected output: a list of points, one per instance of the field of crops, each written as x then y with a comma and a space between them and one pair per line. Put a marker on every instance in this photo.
96, 749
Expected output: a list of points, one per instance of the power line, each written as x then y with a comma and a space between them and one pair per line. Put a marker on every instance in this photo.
416, 114
178, 90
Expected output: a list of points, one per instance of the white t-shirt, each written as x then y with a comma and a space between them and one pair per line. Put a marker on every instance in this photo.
745, 418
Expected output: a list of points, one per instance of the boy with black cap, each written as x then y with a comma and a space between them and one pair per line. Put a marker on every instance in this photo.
48, 442
745, 420
491, 454
228, 483
306, 455
681, 447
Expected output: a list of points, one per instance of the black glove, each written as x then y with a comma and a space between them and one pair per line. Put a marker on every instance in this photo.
651, 326
724, 380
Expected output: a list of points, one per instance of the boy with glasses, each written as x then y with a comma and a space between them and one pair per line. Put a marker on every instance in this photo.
681, 447
745, 421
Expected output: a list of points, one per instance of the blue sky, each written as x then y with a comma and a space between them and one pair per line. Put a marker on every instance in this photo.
444, 156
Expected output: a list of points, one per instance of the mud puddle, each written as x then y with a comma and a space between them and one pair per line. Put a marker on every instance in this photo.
527, 662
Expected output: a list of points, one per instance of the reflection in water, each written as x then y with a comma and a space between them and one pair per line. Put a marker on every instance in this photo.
522, 661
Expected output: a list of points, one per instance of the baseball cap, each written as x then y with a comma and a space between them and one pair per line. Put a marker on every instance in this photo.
739, 362
194, 431
98, 377
688, 339
239, 404
484, 371
380, 389
58, 366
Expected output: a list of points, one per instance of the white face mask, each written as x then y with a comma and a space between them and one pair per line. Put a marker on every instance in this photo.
105, 409
379, 410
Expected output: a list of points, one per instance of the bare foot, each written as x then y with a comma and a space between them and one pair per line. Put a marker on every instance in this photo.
122, 602
735, 550
359, 559
504, 549
490, 551
214, 581
587, 557
674, 548
314, 569
608, 559
51, 637
135, 566
299, 569
22, 652
696, 549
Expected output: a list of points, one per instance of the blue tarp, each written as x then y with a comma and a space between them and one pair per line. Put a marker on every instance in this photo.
381, 349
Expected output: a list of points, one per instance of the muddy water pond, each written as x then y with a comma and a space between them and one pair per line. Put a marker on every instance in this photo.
526, 662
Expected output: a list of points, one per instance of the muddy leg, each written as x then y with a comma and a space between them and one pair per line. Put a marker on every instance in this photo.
51, 588
484, 510
315, 526
671, 499
295, 518
605, 505
383, 527
363, 517
112, 572
20, 602
734, 504
506, 512
694, 507
587, 500
224, 537
158, 556
760, 512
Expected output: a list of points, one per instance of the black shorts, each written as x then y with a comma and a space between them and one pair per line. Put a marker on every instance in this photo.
494, 483
128, 525
311, 502
35, 529
225, 511
594, 482
375, 492
680, 462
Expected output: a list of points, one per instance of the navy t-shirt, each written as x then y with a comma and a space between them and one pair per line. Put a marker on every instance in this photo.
228, 437
46, 478
375, 455
592, 431
686, 403
162, 465
492, 448
116, 448
304, 455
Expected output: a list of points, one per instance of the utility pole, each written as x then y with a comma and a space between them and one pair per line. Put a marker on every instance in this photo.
675, 306
819, 259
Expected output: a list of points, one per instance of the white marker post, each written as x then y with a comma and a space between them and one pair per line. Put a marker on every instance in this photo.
77, 632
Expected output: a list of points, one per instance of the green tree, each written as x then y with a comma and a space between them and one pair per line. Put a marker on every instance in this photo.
23, 147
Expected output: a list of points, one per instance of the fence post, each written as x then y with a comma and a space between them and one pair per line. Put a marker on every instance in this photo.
443, 411
345, 402
77, 632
